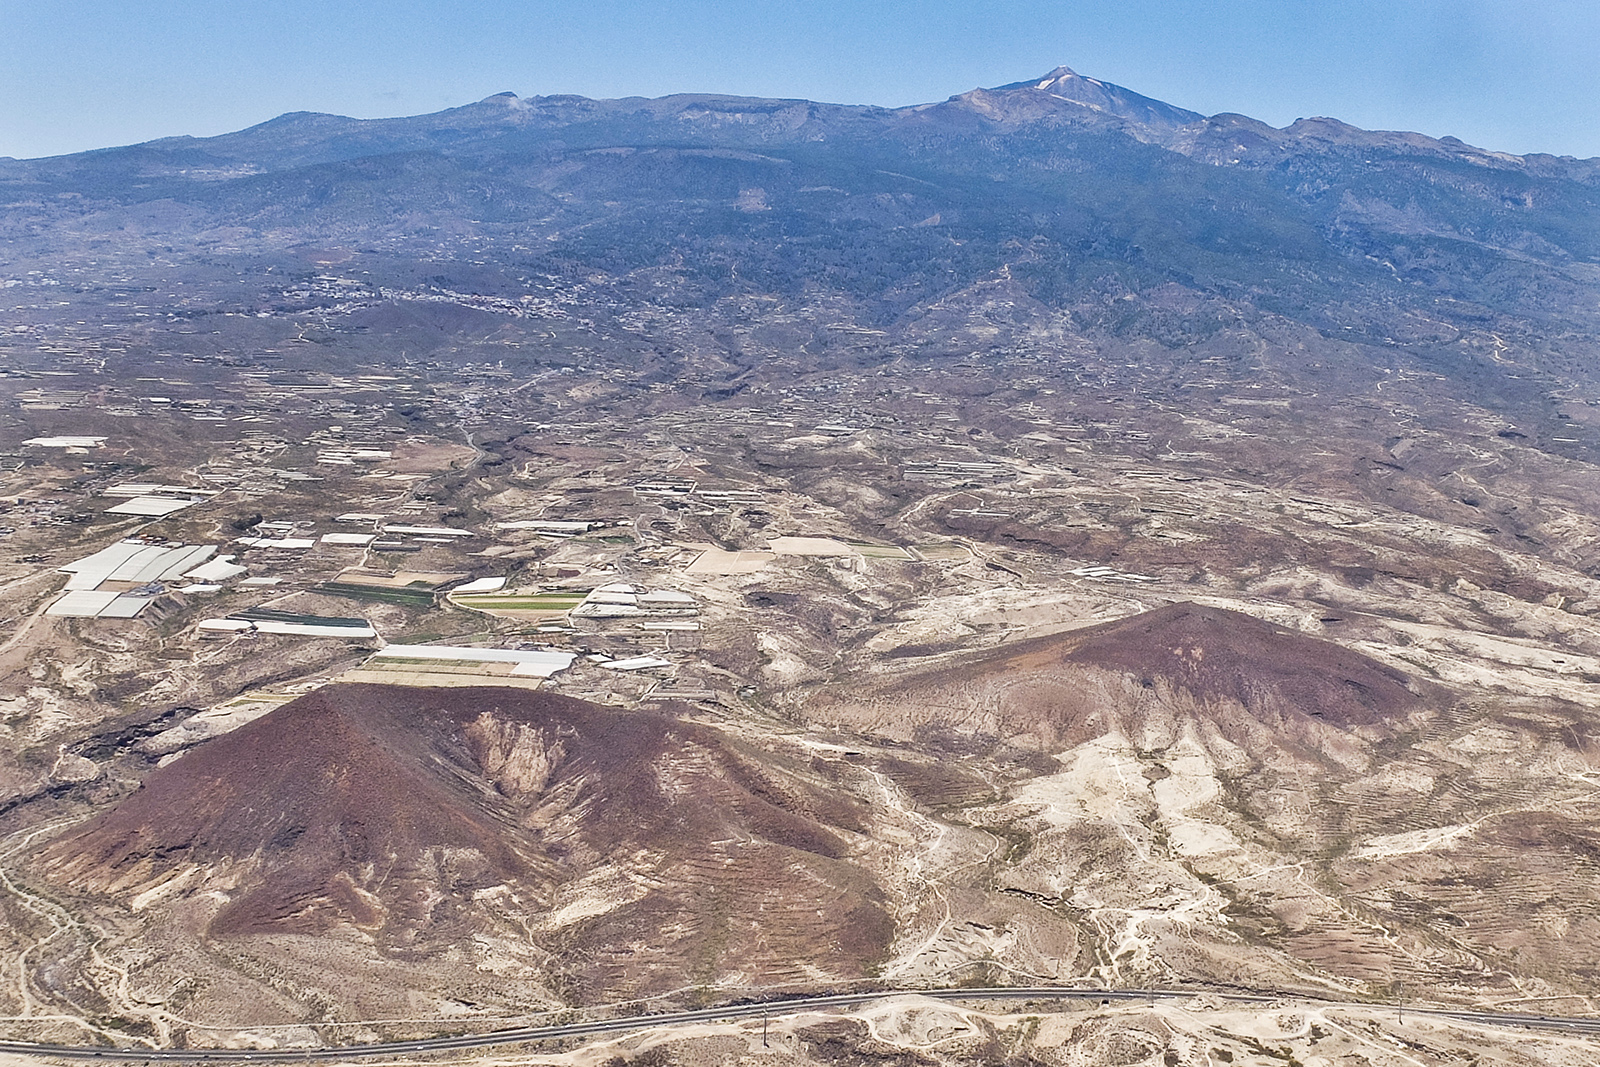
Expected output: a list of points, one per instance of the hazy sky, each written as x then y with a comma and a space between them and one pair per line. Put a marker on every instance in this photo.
74, 74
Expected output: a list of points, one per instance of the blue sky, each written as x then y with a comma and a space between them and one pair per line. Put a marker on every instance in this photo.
77, 74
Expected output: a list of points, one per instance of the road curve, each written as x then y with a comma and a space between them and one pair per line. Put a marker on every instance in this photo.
787, 1006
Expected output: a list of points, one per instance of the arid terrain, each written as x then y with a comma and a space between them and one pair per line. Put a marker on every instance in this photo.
560, 558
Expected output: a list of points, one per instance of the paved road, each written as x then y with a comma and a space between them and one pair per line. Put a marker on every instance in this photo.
788, 1006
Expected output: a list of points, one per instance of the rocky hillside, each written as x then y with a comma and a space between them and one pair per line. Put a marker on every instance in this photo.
586, 849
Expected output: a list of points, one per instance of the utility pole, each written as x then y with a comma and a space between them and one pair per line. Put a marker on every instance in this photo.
763, 1029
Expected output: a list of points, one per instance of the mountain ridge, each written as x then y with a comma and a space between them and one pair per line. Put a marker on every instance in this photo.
1060, 84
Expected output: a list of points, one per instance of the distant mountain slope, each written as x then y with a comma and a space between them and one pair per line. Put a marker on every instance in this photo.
1320, 221
1057, 206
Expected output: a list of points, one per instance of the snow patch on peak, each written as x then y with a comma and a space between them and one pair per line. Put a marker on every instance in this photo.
507, 99
1055, 77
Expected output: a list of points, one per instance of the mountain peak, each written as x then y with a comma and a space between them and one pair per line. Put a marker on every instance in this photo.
1064, 83
1055, 77
1054, 81
508, 100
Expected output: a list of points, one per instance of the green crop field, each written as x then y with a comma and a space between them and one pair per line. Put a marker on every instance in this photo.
296, 619
407, 597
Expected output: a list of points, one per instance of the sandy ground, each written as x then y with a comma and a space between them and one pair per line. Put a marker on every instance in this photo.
1190, 1032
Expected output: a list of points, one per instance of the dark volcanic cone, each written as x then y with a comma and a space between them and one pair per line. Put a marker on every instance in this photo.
1258, 684
416, 819
1218, 653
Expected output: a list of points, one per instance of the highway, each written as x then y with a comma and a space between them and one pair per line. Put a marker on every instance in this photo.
789, 1006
